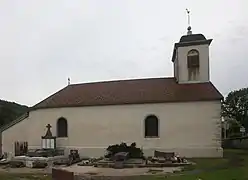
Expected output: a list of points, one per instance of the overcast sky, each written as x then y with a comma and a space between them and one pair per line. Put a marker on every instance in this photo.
43, 42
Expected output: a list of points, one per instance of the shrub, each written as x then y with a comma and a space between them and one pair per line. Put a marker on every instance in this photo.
133, 151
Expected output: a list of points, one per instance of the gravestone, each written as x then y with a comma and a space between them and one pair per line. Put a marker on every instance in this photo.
48, 141
119, 159
59, 174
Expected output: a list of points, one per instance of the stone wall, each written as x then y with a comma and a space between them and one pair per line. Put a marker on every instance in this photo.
235, 143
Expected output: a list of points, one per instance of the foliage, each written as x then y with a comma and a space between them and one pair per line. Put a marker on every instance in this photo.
133, 151
234, 130
9, 111
235, 106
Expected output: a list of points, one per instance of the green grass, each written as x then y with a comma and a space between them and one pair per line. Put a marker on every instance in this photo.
234, 166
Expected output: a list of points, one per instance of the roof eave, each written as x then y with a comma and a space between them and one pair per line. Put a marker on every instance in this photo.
174, 53
201, 42
193, 43
119, 104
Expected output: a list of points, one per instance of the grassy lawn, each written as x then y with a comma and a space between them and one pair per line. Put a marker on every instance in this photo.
234, 166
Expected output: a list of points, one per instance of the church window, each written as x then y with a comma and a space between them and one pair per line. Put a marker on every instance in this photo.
151, 126
193, 63
62, 128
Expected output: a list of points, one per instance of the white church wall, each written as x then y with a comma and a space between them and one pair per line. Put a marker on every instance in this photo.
18, 132
204, 63
191, 129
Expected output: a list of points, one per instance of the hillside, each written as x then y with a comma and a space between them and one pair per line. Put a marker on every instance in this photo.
9, 111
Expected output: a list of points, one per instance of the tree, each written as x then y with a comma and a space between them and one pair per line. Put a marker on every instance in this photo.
9, 111
234, 129
235, 106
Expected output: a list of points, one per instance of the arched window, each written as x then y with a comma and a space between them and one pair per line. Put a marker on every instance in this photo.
62, 128
151, 126
193, 62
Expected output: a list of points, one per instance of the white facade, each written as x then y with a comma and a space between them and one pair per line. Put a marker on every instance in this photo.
190, 129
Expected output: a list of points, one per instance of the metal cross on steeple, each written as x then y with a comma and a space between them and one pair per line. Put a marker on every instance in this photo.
189, 27
188, 17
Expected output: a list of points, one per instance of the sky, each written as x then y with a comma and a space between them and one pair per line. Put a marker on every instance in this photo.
43, 42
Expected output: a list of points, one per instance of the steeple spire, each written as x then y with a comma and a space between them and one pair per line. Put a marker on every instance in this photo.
189, 32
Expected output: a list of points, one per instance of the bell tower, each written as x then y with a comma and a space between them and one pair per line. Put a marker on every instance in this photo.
191, 58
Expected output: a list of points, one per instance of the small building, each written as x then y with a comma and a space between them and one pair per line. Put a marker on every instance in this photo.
177, 114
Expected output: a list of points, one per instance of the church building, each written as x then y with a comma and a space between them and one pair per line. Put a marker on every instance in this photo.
178, 114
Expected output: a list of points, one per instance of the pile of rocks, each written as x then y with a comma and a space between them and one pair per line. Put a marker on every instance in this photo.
122, 160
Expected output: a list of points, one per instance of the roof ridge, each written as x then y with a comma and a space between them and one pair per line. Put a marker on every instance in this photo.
121, 80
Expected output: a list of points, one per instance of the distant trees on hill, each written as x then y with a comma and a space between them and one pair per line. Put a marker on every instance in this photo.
9, 111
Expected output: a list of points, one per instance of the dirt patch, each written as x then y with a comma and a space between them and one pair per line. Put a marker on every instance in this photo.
84, 170
94, 171
25, 170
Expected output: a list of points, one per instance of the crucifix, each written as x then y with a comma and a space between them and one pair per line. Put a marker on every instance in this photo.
49, 126
48, 141
48, 133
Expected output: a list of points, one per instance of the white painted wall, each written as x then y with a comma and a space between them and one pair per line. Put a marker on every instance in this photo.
182, 63
191, 129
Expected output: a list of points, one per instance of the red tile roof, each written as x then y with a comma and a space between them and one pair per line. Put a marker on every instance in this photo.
136, 91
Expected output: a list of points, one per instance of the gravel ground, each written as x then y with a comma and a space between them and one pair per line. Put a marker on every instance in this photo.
94, 171
79, 170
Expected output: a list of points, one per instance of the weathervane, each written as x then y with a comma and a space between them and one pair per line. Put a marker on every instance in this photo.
189, 27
